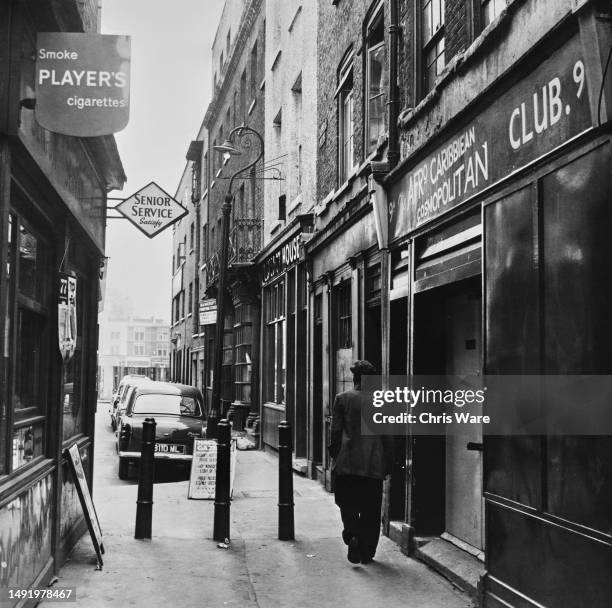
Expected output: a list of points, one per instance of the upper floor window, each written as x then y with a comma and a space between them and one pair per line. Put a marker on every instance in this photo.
432, 30
345, 119
376, 76
490, 10
254, 71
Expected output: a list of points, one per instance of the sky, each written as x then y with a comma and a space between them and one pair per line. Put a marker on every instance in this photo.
171, 85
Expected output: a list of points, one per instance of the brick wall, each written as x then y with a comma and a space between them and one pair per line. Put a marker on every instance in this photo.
340, 25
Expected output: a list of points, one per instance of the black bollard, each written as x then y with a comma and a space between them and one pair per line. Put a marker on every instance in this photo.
212, 424
286, 526
221, 529
144, 503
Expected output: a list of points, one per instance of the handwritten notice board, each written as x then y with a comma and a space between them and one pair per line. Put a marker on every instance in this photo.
91, 517
204, 469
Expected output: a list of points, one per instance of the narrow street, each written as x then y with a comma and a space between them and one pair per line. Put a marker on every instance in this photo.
183, 566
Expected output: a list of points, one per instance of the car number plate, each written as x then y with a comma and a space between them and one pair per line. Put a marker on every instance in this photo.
170, 448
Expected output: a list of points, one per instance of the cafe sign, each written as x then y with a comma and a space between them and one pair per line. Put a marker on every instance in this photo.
151, 209
82, 83
541, 112
282, 259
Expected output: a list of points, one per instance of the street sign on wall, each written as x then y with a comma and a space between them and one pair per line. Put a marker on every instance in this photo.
82, 83
151, 209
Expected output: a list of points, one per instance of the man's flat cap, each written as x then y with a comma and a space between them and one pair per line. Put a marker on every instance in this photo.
363, 368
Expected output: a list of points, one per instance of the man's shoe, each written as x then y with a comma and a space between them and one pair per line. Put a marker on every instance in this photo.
353, 551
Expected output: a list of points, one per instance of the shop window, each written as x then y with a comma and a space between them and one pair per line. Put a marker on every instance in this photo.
490, 10
275, 352
345, 119
432, 36
373, 285
343, 315
376, 76
26, 345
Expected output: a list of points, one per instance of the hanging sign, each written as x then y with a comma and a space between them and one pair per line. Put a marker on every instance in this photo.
204, 469
67, 315
151, 209
82, 83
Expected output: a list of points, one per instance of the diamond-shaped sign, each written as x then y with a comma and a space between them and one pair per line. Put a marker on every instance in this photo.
151, 209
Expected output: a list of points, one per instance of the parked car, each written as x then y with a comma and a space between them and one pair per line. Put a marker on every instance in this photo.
121, 394
178, 410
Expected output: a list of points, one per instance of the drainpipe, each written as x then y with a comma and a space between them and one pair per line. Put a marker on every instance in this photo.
393, 153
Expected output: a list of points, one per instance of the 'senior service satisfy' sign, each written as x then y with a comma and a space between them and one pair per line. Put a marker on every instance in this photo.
82, 83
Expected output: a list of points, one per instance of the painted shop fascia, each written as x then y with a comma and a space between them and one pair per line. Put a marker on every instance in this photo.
486, 161
53, 204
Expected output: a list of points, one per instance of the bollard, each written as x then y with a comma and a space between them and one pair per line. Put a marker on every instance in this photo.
211, 425
144, 503
286, 527
221, 529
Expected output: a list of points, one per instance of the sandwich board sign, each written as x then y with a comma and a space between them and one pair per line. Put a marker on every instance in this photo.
151, 209
204, 469
82, 83
91, 517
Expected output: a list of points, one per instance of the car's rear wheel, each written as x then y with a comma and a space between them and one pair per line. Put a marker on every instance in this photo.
124, 464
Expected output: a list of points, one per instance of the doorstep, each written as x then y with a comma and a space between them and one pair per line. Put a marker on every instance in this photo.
460, 567
300, 466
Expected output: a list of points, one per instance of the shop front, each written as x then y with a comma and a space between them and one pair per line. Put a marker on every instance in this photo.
284, 342
504, 220
52, 230
346, 317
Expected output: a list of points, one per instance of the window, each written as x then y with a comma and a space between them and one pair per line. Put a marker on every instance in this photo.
139, 349
432, 32
26, 341
490, 10
282, 207
345, 119
221, 62
191, 236
243, 97
275, 355
254, 71
343, 314
240, 204
190, 304
228, 42
376, 85
182, 303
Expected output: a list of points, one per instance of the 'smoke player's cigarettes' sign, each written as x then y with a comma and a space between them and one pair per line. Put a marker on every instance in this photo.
82, 83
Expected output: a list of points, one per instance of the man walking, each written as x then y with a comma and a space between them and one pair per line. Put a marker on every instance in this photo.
359, 464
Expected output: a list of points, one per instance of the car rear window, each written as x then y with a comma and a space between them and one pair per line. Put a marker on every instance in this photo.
175, 405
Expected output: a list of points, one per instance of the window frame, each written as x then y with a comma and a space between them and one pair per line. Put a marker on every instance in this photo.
376, 20
346, 117
438, 35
